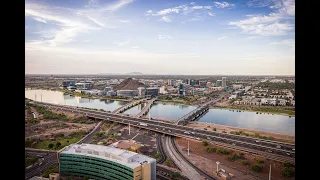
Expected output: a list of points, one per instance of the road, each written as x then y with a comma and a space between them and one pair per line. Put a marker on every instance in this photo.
267, 148
184, 166
49, 158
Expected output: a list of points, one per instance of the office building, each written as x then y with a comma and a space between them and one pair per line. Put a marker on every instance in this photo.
127, 93
141, 92
224, 82
202, 83
162, 90
219, 83
66, 84
111, 93
107, 89
198, 91
84, 85
189, 81
184, 89
104, 162
152, 92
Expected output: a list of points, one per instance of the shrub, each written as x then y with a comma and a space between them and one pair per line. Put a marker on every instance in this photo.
209, 149
175, 175
256, 168
158, 155
205, 143
214, 129
288, 171
234, 157
222, 151
245, 162
169, 162
260, 160
286, 164
50, 145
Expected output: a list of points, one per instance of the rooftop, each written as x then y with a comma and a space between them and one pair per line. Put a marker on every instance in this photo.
124, 157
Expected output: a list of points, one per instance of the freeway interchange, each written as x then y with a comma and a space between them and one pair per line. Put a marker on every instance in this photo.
274, 150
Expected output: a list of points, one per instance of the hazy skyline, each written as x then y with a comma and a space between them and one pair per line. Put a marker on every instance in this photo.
160, 37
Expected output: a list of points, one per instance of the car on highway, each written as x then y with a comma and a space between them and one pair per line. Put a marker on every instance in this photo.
279, 146
197, 138
257, 141
269, 151
192, 132
293, 149
288, 154
233, 144
157, 128
169, 130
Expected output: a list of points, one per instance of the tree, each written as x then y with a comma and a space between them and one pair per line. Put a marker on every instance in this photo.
175, 175
260, 160
256, 168
214, 129
58, 144
50, 145
205, 143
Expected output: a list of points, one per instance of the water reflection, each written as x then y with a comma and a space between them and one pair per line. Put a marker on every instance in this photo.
170, 111
135, 109
57, 97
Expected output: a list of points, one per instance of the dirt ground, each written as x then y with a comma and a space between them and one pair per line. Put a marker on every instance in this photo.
220, 128
207, 161
47, 128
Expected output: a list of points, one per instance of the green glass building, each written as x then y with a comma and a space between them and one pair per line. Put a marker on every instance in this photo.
103, 162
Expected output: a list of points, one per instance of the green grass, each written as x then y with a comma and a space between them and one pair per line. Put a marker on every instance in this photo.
44, 144
49, 170
30, 160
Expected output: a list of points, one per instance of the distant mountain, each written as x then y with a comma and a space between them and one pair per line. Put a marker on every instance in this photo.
134, 73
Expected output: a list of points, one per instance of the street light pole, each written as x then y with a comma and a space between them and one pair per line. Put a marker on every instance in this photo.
270, 173
188, 149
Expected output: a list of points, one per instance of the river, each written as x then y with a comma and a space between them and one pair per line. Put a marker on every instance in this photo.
250, 120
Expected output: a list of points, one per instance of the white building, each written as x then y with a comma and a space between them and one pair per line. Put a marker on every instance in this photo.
141, 92
247, 88
224, 82
233, 96
162, 90
198, 91
282, 102
269, 101
237, 86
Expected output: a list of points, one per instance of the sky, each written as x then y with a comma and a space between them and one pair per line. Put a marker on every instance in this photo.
234, 37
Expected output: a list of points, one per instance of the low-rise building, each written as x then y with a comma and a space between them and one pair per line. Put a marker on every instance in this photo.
282, 102
233, 96
152, 92
198, 91
269, 101
84, 85
127, 93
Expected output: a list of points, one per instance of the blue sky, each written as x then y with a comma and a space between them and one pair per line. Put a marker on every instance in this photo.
251, 37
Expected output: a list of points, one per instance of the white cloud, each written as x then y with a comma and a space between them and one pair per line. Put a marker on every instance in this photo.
121, 43
165, 19
286, 42
135, 47
124, 21
40, 20
182, 9
274, 24
223, 4
223, 37
252, 37
71, 22
210, 14
160, 36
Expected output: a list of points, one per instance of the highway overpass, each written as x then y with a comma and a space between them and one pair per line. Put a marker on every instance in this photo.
269, 149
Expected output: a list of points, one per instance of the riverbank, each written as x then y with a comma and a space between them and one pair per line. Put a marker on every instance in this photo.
176, 102
228, 129
261, 109
93, 97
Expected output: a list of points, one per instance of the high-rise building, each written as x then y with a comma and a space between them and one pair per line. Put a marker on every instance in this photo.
218, 83
184, 89
224, 82
202, 83
105, 162
189, 81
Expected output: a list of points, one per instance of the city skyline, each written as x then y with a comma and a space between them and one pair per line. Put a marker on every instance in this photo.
182, 37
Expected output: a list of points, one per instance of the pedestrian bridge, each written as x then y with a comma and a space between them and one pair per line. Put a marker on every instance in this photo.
129, 105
